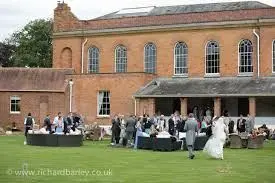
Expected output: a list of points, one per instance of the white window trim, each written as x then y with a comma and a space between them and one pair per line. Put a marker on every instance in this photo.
183, 75
210, 75
15, 98
144, 56
88, 60
245, 74
272, 57
103, 116
121, 45
97, 112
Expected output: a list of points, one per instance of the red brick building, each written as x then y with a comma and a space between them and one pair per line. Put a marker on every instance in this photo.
39, 91
170, 58
162, 59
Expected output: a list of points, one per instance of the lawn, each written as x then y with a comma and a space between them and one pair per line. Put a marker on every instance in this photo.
106, 164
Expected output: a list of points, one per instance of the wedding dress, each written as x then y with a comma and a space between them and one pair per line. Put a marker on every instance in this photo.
214, 146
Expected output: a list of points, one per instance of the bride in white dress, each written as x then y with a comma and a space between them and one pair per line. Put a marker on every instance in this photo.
214, 146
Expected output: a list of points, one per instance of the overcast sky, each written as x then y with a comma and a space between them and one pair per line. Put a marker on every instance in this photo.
14, 14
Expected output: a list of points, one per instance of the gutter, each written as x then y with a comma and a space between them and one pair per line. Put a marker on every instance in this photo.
82, 55
205, 95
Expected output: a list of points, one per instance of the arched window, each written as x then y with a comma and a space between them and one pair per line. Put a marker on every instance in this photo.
245, 56
180, 59
212, 58
273, 56
150, 55
121, 59
93, 60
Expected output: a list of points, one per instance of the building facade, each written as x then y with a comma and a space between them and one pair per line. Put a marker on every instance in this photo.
35, 90
167, 59
162, 59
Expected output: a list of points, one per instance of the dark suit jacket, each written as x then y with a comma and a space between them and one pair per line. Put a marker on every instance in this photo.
146, 123
69, 120
231, 126
171, 124
130, 124
115, 125
47, 123
180, 126
241, 125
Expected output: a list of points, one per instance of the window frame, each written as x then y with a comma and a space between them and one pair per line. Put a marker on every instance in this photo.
239, 64
89, 58
217, 74
16, 98
126, 56
144, 60
98, 110
186, 56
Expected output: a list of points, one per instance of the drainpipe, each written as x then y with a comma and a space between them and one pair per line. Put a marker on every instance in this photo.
135, 106
82, 55
258, 50
71, 93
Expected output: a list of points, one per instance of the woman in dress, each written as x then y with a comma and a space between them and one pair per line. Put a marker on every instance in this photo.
139, 131
214, 146
59, 125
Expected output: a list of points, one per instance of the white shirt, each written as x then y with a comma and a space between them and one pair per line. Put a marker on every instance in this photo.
25, 121
55, 120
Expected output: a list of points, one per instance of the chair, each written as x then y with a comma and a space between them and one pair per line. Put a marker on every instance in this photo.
235, 141
96, 133
255, 142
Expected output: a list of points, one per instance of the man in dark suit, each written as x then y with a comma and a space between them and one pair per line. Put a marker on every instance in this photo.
231, 126
130, 128
47, 123
180, 126
147, 123
68, 123
171, 125
115, 130
241, 124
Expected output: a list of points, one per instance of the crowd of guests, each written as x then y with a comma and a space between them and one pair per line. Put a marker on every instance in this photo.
59, 125
62, 124
124, 130
247, 125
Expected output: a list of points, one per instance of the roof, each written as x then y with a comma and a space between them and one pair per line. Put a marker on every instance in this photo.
194, 8
208, 87
249, 13
33, 79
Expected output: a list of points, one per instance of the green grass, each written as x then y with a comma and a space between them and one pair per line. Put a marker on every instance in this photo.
127, 165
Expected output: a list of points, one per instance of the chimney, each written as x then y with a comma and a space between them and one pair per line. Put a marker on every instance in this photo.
64, 19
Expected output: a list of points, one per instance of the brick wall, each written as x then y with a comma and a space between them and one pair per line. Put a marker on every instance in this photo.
228, 40
121, 87
37, 103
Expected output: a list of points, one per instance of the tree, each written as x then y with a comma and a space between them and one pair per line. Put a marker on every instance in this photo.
33, 44
6, 51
